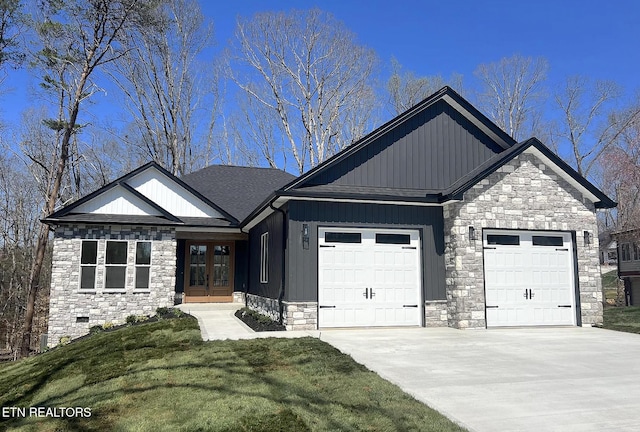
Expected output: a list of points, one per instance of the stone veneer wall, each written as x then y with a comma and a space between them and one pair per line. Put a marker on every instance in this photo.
296, 315
67, 302
523, 194
435, 313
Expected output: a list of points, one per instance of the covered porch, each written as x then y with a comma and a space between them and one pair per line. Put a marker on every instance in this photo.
211, 265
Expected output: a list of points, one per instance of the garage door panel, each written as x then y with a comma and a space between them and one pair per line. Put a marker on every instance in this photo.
388, 273
528, 281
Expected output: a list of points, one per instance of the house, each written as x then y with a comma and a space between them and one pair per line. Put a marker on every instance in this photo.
609, 253
628, 242
436, 218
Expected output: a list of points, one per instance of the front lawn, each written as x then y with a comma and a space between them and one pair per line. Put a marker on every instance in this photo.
626, 319
161, 376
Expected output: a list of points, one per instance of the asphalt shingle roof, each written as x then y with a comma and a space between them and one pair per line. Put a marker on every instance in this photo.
238, 190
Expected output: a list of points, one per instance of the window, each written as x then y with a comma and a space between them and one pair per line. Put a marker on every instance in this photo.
88, 261
393, 238
221, 265
502, 239
342, 237
547, 241
626, 252
636, 252
116, 265
264, 258
143, 264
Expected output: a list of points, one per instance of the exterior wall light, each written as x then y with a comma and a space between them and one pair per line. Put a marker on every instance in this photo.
587, 238
305, 236
472, 233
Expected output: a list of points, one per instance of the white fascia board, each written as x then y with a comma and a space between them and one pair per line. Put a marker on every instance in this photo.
562, 173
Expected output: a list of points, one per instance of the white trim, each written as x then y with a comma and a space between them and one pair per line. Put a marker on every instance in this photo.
562, 173
106, 266
94, 265
284, 199
136, 265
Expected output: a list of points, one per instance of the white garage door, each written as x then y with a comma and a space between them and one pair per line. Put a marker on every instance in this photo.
368, 277
529, 278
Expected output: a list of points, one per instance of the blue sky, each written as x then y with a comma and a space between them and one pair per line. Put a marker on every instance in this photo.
596, 39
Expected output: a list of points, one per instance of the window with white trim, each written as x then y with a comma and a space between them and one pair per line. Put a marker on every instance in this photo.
143, 264
116, 265
88, 263
264, 258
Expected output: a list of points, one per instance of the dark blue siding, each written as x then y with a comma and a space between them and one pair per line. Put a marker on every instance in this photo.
241, 273
302, 271
274, 226
429, 151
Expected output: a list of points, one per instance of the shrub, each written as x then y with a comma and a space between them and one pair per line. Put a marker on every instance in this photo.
96, 329
64, 340
108, 325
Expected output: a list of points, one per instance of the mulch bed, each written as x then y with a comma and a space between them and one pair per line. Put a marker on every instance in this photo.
258, 322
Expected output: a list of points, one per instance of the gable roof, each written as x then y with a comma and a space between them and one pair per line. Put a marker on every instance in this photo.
238, 189
161, 216
446, 96
565, 170
304, 186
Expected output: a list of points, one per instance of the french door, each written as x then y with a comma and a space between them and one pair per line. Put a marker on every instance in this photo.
209, 272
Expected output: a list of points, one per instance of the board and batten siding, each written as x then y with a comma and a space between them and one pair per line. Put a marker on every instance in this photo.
273, 224
170, 195
302, 269
118, 201
430, 151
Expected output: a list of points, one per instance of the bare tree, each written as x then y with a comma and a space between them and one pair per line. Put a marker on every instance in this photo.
406, 90
10, 28
592, 119
307, 70
512, 90
163, 81
78, 38
621, 177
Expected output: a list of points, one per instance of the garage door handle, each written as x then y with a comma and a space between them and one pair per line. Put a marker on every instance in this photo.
327, 245
327, 307
408, 247
412, 306
562, 249
489, 247
492, 307
564, 306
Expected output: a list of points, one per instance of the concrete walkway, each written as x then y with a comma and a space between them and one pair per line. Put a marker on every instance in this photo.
536, 379
217, 322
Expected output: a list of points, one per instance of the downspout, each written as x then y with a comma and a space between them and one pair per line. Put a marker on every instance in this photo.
284, 246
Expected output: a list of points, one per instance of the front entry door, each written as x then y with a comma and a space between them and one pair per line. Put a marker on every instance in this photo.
209, 272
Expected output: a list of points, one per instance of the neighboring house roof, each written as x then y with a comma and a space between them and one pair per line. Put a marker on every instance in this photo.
237, 189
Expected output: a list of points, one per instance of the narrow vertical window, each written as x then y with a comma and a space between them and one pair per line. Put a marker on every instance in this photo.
626, 252
636, 252
88, 260
264, 258
116, 265
143, 264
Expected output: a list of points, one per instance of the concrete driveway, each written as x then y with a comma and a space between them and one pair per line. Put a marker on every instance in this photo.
542, 379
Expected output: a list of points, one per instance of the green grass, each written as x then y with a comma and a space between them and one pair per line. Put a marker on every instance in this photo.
610, 284
626, 319
161, 376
